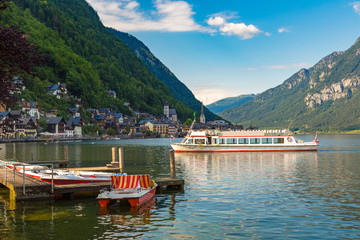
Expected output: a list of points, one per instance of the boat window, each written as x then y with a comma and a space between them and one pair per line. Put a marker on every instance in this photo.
231, 141
215, 141
222, 141
278, 140
184, 140
190, 141
243, 140
266, 140
199, 141
254, 140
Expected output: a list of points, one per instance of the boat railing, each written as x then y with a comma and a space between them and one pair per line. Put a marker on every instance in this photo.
23, 173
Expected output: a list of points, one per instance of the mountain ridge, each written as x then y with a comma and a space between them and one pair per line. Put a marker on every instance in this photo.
179, 89
230, 102
324, 97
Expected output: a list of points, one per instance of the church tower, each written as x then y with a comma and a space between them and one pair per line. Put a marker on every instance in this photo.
166, 109
202, 116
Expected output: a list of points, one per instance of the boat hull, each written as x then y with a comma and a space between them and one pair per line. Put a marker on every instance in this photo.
178, 147
107, 198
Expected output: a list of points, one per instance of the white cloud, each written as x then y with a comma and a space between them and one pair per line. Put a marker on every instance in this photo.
216, 21
239, 29
356, 7
282, 30
126, 15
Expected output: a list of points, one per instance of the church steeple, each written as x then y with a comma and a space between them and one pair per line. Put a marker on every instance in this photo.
202, 116
166, 109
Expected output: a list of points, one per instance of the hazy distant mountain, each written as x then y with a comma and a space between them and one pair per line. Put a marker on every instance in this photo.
230, 102
180, 91
325, 97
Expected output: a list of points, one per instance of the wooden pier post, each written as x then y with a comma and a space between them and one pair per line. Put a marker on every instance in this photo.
172, 164
121, 160
113, 150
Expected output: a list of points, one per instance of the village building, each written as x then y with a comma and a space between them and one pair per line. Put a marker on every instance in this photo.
56, 126
75, 112
170, 113
77, 126
26, 128
112, 93
173, 130
30, 108
59, 90
158, 127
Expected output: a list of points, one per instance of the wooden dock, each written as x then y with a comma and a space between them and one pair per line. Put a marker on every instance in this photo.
37, 189
23, 187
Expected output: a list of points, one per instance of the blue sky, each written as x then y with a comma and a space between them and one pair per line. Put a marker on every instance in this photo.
226, 48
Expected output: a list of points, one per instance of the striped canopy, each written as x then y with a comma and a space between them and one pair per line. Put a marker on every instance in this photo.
131, 181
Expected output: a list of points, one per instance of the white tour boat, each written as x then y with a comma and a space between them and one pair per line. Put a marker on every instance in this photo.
243, 141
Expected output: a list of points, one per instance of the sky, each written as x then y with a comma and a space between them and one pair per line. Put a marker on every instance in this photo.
225, 48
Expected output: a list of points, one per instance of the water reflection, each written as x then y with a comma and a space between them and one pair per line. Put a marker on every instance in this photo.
297, 195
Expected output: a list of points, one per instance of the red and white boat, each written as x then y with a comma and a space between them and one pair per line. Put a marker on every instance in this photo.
135, 189
243, 141
59, 177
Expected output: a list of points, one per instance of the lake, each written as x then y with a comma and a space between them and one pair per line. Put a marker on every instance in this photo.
286, 195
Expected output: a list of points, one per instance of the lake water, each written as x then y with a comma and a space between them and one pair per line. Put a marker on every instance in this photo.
288, 195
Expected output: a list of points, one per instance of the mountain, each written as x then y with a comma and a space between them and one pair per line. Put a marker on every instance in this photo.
325, 97
180, 91
82, 53
226, 103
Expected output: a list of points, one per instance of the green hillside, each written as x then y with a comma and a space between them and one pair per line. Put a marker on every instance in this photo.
180, 91
82, 53
325, 97
226, 103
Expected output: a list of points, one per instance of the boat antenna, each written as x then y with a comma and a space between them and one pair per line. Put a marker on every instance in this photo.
192, 124
290, 125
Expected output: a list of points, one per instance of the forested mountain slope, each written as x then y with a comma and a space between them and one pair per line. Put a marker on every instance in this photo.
325, 97
180, 91
230, 102
82, 53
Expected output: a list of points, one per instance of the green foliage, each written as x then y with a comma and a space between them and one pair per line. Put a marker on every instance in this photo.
180, 91
227, 103
188, 122
82, 53
42, 125
111, 132
92, 130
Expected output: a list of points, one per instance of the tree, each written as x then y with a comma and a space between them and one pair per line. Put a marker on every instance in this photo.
111, 131
188, 122
17, 57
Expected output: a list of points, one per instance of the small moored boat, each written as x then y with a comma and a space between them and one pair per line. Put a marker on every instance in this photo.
136, 189
59, 177
243, 141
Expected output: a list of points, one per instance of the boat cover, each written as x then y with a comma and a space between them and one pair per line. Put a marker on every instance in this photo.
130, 181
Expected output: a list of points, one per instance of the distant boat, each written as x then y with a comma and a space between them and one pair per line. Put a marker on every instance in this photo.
135, 189
59, 177
243, 141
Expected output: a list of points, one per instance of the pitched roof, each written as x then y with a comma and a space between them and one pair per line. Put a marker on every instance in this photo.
3, 114
99, 117
53, 120
75, 120
118, 115
172, 111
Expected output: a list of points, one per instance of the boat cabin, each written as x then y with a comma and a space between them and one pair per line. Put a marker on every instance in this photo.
238, 138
